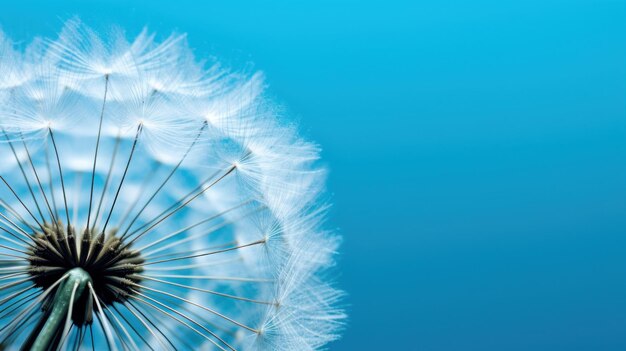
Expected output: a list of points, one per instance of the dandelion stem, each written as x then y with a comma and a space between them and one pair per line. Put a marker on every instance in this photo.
68, 292
67, 327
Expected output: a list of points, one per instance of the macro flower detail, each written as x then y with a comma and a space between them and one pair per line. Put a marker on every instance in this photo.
151, 201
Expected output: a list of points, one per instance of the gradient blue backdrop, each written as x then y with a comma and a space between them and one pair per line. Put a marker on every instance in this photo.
477, 153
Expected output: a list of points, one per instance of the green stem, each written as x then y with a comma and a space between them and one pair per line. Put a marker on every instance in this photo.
49, 334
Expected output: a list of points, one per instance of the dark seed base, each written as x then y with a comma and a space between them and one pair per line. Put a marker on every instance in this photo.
112, 265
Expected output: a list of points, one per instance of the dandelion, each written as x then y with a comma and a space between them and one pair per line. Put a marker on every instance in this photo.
149, 202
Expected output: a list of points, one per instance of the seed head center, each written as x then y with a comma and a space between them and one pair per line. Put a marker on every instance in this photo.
113, 266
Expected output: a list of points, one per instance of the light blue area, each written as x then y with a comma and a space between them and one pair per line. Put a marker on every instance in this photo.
477, 153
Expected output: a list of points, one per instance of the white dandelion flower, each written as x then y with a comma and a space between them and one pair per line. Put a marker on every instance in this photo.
149, 202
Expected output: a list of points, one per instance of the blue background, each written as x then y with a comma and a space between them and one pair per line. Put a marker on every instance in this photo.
477, 153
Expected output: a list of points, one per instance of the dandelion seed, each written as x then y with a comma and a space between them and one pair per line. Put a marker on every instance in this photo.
148, 202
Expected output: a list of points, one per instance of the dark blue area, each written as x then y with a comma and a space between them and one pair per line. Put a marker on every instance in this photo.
477, 153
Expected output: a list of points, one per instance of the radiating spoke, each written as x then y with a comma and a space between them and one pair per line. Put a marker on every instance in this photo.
14, 213
15, 305
192, 226
95, 157
21, 202
139, 316
16, 321
132, 327
106, 182
191, 266
144, 301
15, 294
56, 153
13, 284
200, 306
105, 324
43, 193
119, 188
167, 179
258, 242
213, 277
142, 190
21, 243
173, 209
124, 331
189, 287
26, 180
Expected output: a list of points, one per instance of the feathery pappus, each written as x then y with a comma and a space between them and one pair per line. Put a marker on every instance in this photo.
152, 201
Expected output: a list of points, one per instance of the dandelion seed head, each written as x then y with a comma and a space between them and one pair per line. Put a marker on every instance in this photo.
163, 198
